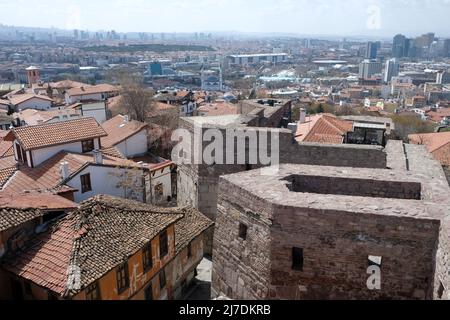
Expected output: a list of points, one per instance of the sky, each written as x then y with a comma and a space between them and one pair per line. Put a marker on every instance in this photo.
303, 17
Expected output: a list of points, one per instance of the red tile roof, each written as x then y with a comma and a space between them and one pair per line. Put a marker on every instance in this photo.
433, 141
217, 109
21, 98
324, 128
46, 135
101, 88
118, 130
47, 176
91, 240
37, 200
14, 217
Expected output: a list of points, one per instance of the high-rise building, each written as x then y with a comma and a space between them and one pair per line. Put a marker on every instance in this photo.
156, 69
371, 50
446, 48
442, 77
400, 47
391, 70
368, 68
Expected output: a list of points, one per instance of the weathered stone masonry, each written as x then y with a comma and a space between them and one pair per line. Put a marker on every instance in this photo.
337, 233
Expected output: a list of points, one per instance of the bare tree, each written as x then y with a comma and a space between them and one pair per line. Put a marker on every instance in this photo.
136, 100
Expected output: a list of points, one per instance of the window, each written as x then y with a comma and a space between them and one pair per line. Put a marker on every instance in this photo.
149, 292
27, 286
87, 146
93, 292
123, 282
189, 250
86, 183
163, 245
147, 257
441, 290
297, 259
243, 231
159, 191
162, 279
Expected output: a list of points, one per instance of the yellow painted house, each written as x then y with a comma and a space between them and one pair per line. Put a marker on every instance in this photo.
109, 249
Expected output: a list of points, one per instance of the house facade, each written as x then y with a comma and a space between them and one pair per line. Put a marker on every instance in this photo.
156, 262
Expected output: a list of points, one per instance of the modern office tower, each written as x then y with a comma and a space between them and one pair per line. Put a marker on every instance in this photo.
368, 68
400, 47
371, 50
391, 70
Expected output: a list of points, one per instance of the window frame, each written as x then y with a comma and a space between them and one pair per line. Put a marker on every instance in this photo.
90, 148
243, 231
86, 185
163, 244
298, 259
91, 289
122, 278
147, 257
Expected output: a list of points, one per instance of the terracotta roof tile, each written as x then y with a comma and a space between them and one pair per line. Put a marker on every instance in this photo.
433, 141
47, 176
35, 200
118, 130
13, 217
113, 152
20, 98
218, 109
324, 128
35, 137
87, 90
96, 238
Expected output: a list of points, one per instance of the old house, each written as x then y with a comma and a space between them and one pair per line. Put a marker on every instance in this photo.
99, 92
130, 137
35, 144
22, 213
151, 255
30, 101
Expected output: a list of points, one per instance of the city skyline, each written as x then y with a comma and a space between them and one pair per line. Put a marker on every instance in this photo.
382, 18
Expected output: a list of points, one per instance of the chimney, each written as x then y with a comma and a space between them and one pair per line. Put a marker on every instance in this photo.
126, 119
64, 170
98, 157
302, 115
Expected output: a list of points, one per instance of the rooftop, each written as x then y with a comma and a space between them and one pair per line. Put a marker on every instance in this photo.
46, 135
363, 191
119, 129
91, 239
323, 128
